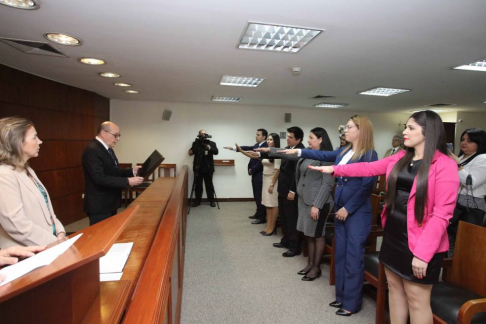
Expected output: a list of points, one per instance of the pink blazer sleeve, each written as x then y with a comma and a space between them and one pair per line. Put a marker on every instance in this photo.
364, 169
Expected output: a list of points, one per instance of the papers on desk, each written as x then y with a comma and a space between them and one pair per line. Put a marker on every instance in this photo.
112, 264
39, 260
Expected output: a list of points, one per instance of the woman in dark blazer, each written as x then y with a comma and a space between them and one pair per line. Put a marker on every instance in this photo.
352, 221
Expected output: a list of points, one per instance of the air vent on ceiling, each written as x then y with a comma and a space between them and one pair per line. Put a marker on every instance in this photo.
322, 97
440, 105
32, 47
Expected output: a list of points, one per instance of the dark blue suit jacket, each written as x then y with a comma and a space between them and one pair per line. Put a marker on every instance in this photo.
352, 193
255, 165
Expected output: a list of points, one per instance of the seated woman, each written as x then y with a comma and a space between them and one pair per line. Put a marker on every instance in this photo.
271, 169
26, 214
472, 164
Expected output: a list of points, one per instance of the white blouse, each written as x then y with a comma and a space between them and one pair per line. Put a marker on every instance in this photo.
477, 169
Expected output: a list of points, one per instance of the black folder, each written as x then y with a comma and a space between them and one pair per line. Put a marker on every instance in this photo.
149, 166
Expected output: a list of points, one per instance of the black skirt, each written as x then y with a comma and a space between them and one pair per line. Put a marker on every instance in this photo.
395, 253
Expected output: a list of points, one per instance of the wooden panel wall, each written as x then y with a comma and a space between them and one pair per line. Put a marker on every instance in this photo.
66, 119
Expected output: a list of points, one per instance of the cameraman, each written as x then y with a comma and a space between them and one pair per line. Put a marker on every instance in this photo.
203, 150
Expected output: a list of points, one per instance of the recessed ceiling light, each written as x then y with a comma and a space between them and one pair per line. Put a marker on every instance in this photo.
20, 4
276, 38
383, 92
239, 81
121, 84
330, 105
475, 66
63, 39
226, 99
109, 75
91, 61
131, 91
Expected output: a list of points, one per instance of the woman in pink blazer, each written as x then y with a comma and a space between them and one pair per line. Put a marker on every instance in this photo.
422, 184
26, 213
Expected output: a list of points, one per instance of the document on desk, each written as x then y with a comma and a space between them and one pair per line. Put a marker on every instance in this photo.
39, 260
114, 261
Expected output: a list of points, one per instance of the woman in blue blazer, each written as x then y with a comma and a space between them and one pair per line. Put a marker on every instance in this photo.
352, 221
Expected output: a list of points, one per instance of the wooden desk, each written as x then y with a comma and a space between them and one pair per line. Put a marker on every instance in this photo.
155, 266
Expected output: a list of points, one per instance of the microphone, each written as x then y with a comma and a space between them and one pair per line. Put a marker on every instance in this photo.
469, 180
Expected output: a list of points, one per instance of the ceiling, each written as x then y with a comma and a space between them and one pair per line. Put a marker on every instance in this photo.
177, 50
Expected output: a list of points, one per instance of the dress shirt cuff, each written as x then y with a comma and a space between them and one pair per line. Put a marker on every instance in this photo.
299, 152
290, 191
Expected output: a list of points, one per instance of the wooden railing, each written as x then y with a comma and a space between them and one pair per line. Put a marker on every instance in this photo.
157, 294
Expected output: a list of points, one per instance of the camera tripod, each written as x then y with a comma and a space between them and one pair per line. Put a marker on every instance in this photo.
198, 159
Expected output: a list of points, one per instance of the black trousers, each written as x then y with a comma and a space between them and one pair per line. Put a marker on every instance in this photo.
208, 181
289, 214
257, 185
96, 218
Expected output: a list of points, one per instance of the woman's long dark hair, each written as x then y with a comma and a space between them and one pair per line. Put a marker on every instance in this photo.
478, 136
276, 142
435, 139
326, 141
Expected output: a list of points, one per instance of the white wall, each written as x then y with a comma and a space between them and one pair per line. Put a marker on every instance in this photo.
144, 130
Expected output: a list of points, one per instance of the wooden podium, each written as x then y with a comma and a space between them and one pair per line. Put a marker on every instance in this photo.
69, 289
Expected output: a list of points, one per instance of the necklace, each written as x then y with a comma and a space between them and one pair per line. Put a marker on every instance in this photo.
411, 163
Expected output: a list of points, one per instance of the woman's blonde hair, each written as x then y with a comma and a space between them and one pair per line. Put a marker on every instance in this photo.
365, 141
12, 136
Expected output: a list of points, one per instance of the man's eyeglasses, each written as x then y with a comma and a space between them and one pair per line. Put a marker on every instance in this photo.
117, 136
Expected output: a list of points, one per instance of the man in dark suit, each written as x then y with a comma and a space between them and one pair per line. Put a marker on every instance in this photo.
287, 200
203, 150
104, 180
255, 170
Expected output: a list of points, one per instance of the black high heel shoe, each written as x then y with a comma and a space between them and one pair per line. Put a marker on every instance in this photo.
303, 272
274, 232
336, 304
306, 278
262, 232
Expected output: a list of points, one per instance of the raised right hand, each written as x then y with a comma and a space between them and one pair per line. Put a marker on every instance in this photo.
329, 169
262, 149
228, 148
135, 181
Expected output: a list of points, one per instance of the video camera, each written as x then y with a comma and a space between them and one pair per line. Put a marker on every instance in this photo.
203, 139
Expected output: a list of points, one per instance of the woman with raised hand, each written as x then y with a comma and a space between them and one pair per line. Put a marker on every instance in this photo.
26, 213
271, 169
422, 183
352, 220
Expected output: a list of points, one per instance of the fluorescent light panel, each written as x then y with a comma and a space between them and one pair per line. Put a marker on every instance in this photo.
475, 66
286, 39
330, 105
239, 81
121, 84
131, 91
226, 99
383, 92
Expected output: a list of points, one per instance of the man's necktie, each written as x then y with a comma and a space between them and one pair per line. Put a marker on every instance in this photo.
112, 153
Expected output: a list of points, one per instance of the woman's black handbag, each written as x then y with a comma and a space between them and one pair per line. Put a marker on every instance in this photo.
469, 215
466, 214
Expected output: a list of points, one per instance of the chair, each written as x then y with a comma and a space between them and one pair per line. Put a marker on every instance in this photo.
165, 170
461, 298
141, 187
125, 192
380, 185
